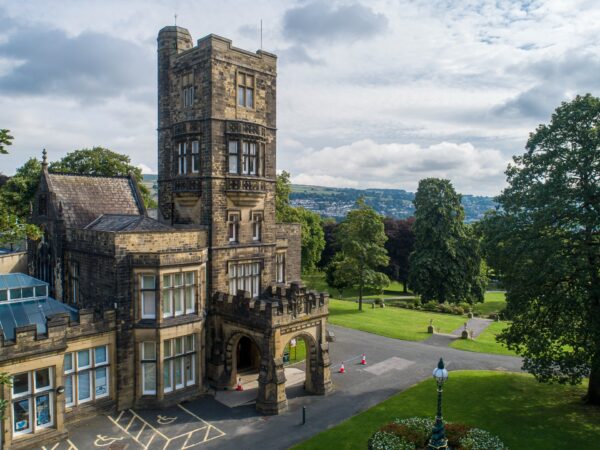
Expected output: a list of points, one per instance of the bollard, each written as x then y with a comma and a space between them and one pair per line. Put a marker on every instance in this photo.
303, 415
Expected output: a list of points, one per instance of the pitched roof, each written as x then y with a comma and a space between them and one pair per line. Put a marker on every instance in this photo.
83, 198
122, 222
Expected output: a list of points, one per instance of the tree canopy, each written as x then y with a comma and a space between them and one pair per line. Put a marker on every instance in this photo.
546, 240
5, 140
313, 241
400, 244
446, 262
361, 239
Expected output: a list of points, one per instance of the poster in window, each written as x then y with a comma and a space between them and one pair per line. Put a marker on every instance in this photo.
21, 415
42, 410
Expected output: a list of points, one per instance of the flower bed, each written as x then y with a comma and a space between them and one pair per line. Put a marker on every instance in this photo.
414, 434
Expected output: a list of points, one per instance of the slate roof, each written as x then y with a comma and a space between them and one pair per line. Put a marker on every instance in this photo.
123, 222
84, 197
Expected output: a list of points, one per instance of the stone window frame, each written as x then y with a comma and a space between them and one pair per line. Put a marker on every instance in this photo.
142, 290
244, 86
251, 273
185, 288
257, 219
187, 89
90, 370
31, 397
243, 157
148, 364
280, 263
195, 156
185, 359
234, 220
182, 155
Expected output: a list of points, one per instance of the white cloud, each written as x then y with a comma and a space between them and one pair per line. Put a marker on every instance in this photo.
369, 164
145, 169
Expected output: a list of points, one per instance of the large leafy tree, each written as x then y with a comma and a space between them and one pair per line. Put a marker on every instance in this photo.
546, 236
446, 262
19, 191
5, 141
400, 244
362, 238
13, 229
331, 247
313, 241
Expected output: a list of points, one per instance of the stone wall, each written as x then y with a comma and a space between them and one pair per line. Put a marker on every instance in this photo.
13, 262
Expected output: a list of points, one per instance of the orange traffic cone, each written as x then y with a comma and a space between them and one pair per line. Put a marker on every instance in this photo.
363, 361
239, 386
342, 370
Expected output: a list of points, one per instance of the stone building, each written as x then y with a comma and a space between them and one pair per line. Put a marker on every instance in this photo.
212, 287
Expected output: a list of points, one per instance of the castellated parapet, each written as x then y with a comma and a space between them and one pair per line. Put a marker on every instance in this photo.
278, 306
60, 329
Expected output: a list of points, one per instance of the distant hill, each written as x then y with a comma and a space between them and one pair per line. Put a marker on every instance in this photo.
398, 203
336, 202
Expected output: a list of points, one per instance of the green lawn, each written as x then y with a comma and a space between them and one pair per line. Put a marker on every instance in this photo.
396, 323
485, 342
494, 302
525, 414
316, 281
297, 353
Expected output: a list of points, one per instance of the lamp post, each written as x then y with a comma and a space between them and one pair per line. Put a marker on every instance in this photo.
438, 439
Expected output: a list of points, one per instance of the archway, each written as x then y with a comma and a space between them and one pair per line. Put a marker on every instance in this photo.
299, 359
247, 356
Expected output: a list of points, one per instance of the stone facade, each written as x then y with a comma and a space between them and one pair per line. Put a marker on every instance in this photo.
215, 280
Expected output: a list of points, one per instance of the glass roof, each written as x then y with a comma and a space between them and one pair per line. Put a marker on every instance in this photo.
31, 312
19, 280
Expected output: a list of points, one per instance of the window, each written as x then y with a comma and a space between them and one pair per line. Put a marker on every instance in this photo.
249, 158
182, 158
233, 156
245, 277
148, 368
148, 296
86, 375
195, 156
179, 367
256, 226
233, 230
280, 267
74, 272
179, 294
188, 90
33, 400
245, 90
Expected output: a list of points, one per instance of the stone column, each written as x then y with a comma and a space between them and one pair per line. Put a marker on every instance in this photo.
320, 374
271, 387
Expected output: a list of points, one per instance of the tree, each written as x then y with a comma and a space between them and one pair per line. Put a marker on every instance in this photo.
102, 162
313, 241
18, 192
361, 238
446, 262
331, 247
337, 276
5, 141
13, 229
547, 238
400, 244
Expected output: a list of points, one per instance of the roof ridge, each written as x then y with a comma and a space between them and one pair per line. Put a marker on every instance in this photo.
88, 175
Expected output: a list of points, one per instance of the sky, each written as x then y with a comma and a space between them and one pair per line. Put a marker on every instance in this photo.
377, 93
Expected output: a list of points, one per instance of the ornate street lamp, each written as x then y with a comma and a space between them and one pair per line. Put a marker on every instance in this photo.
438, 439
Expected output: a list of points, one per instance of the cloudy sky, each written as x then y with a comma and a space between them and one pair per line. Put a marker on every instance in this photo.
377, 93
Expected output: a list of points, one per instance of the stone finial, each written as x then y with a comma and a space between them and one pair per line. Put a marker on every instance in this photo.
44, 159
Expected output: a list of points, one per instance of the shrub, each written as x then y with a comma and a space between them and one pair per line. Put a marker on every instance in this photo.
387, 441
431, 306
416, 301
455, 432
477, 439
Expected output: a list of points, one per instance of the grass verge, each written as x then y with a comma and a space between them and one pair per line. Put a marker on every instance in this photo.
485, 342
525, 414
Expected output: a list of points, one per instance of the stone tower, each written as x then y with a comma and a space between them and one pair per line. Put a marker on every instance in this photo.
216, 155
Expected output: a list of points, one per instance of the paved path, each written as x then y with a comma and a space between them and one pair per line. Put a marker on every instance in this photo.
476, 325
392, 366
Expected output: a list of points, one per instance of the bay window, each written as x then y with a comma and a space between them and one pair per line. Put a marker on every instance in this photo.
148, 296
195, 156
249, 158
148, 357
233, 156
244, 277
179, 294
179, 366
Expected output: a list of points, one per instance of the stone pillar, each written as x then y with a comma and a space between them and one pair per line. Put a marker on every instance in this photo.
320, 374
271, 387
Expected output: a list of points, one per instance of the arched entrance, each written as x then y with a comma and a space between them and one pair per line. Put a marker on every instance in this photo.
299, 360
247, 356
